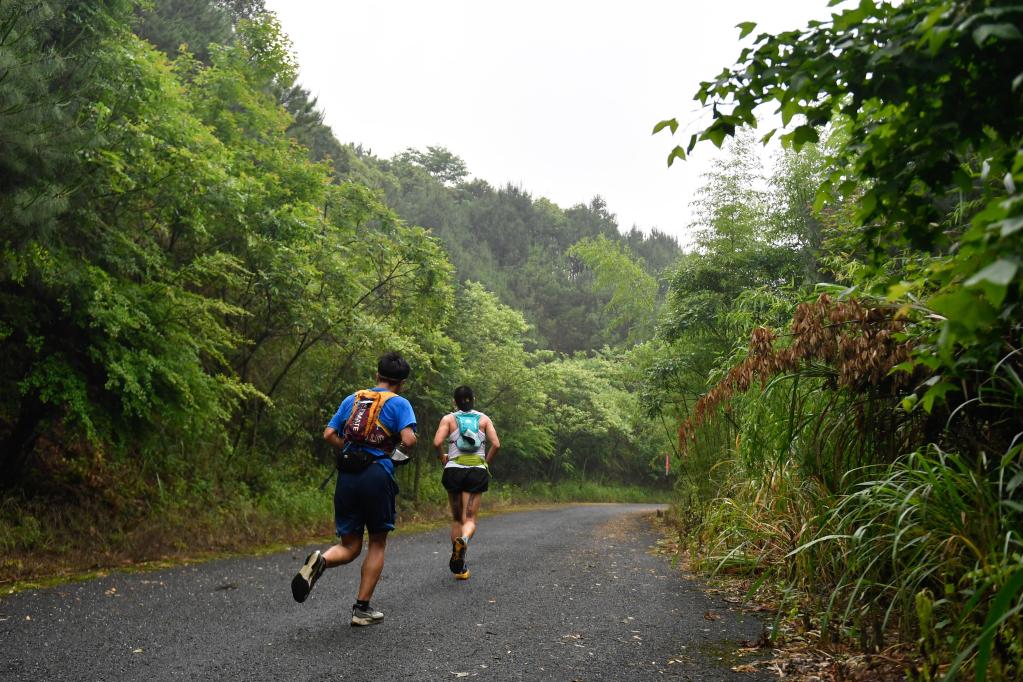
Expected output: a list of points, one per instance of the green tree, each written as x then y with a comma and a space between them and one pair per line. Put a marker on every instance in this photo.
120, 344
503, 374
438, 162
923, 99
631, 290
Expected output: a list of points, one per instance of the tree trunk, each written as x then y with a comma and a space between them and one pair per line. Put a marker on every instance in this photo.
16, 448
417, 476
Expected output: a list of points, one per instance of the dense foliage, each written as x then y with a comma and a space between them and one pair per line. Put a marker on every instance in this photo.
194, 272
867, 440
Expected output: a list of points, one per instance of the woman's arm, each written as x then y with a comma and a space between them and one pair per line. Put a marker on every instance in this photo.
440, 438
492, 439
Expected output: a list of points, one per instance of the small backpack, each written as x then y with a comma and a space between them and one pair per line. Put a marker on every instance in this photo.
364, 429
469, 436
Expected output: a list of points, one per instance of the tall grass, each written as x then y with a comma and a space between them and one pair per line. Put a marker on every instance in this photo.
576, 490
933, 531
878, 524
926, 550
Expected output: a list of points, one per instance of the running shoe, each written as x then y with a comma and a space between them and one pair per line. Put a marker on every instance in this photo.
366, 616
312, 569
464, 575
457, 561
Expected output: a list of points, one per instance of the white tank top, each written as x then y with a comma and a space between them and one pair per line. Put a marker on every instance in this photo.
453, 450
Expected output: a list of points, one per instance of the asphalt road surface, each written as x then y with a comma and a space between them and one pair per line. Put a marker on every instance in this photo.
567, 594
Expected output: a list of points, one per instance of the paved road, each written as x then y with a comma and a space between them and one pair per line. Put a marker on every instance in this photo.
571, 594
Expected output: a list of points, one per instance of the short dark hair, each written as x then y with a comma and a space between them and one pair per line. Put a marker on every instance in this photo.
464, 398
392, 367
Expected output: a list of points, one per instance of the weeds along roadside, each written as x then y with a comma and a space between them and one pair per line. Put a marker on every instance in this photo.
869, 526
202, 515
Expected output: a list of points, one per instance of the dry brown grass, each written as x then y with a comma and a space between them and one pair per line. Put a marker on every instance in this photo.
860, 344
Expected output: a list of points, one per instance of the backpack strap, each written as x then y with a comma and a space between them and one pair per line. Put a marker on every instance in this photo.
379, 399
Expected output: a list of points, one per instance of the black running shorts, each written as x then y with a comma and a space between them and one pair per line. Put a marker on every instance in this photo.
465, 480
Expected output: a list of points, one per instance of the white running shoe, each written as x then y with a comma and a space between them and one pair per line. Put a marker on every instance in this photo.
312, 569
366, 616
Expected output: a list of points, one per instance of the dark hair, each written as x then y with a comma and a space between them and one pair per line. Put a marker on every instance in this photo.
392, 367
464, 398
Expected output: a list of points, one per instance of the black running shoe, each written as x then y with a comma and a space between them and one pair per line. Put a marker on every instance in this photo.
312, 569
457, 561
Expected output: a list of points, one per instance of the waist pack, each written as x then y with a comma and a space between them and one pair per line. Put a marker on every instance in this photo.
353, 461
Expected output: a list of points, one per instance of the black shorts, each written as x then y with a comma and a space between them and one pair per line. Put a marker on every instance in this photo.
465, 480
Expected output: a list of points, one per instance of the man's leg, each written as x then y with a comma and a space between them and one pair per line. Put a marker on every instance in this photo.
372, 565
318, 562
345, 551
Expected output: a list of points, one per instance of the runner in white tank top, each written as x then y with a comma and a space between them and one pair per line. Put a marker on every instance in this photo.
466, 441
478, 434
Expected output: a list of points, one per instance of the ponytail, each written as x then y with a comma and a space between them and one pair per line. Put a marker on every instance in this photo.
464, 398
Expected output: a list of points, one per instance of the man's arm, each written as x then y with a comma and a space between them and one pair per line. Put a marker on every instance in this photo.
440, 438
492, 439
408, 438
333, 437
334, 430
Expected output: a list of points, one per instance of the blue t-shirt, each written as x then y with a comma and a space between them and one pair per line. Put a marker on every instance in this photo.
396, 415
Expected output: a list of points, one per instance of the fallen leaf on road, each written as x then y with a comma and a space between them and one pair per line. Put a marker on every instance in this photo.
745, 668
137, 651
710, 615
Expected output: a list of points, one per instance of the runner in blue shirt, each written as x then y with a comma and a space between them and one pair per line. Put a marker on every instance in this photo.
364, 498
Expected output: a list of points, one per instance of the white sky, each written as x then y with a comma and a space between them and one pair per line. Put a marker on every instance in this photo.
558, 97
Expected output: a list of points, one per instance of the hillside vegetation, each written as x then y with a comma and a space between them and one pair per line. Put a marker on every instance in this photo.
856, 452
195, 272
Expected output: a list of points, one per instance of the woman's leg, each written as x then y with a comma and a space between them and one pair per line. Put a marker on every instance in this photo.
455, 502
470, 503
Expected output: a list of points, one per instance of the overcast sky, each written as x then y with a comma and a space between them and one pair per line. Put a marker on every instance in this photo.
558, 97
